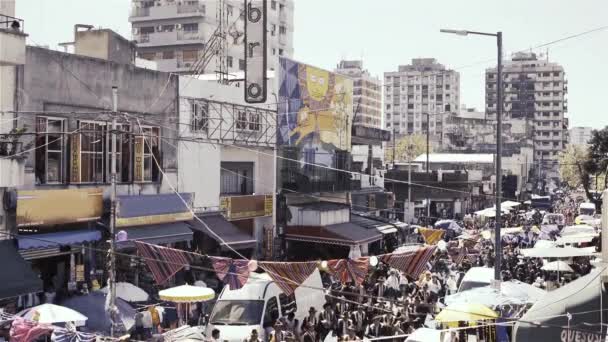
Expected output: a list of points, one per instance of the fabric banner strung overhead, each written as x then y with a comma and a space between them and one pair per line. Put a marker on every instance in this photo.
458, 254
289, 275
232, 272
431, 236
413, 263
163, 262
348, 270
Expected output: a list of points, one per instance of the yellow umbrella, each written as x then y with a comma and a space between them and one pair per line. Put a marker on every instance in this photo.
187, 294
465, 312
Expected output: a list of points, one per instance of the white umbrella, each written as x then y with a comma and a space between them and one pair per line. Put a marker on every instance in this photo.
558, 266
187, 294
129, 292
51, 313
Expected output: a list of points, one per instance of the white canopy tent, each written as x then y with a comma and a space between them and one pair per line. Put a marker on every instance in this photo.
555, 252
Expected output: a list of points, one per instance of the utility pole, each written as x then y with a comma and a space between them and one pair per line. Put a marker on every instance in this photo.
112, 282
428, 200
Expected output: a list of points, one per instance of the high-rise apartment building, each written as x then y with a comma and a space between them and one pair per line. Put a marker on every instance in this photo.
175, 34
415, 90
367, 93
534, 91
580, 135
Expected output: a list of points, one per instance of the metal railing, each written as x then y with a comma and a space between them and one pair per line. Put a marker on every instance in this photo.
11, 23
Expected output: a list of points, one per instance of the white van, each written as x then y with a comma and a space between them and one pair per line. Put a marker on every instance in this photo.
476, 277
259, 303
586, 208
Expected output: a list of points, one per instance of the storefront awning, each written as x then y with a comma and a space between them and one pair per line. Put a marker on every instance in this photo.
52, 240
370, 223
156, 234
142, 210
231, 235
344, 234
17, 277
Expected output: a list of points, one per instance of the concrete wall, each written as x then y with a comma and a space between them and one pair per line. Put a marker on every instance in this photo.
65, 83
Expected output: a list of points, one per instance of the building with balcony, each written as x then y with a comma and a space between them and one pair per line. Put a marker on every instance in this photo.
580, 135
367, 93
415, 90
535, 91
179, 35
226, 157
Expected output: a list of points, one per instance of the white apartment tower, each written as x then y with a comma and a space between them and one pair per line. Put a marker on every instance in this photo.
175, 33
415, 90
367, 93
580, 135
535, 91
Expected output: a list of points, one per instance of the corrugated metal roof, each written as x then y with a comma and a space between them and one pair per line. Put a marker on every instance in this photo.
485, 158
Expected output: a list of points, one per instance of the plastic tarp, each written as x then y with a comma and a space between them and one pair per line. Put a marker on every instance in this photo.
511, 292
555, 252
576, 305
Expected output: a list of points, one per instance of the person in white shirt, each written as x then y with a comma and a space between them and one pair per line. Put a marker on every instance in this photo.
392, 285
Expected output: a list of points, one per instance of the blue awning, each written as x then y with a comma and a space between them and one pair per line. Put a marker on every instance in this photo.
157, 234
17, 276
53, 240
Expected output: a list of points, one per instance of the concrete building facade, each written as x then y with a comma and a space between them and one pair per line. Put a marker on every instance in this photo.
415, 90
535, 91
580, 135
174, 34
367, 93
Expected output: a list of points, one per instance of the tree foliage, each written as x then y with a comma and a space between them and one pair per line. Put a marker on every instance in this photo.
407, 148
568, 164
595, 165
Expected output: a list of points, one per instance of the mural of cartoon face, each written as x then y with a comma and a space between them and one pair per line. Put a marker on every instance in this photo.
317, 83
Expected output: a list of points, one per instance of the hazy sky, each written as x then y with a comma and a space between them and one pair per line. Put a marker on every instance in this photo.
386, 33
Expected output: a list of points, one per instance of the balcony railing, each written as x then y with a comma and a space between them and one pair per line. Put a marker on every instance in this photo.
167, 11
11, 23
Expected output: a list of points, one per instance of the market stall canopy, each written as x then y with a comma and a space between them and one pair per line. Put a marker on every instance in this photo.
129, 292
545, 244
425, 335
465, 312
448, 224
576, 305
511, 292
579, 229
558, 266
17, 275
509, 204
187, 294
164, 233
51, 313
63, 238
555, 252
93, 306
577, 238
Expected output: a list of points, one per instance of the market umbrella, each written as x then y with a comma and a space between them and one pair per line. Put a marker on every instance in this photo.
465, 312
51, 313
129, 292
448, 224
558, 266
187, 294
424, 335
511, 292
93, 306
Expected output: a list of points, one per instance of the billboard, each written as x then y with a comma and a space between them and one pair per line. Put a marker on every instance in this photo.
55, 207
315, 110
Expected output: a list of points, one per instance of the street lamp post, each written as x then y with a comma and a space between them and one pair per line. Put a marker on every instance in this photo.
499, 104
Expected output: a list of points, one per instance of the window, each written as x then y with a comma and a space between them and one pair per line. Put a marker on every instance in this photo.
272, 312
241, 64
273, 30
192, 27
274, 51
282, 30
410, 106
146, 30
254, 121
147, 55
200, 116
241, 119
280, 52
50, 147
273, 4
93, 139
167, 28
168, 54
124, 158
229, 61
229, 10
190, 55
236, 178
288, 303
147, 149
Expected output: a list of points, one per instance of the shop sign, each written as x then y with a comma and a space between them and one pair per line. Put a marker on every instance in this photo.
54, 207
244, 207
255, 51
